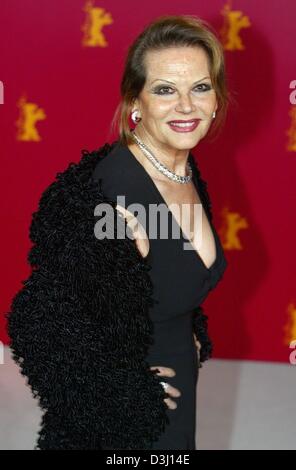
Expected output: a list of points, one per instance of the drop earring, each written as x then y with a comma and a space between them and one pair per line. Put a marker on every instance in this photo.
214, 114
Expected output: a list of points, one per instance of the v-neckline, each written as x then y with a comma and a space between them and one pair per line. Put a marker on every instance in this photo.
159, 195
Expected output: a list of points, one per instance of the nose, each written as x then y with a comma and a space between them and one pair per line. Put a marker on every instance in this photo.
185, 104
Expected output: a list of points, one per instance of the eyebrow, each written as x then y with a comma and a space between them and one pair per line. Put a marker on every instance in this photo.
168, 81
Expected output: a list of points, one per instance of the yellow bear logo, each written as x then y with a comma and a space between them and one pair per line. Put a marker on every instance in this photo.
234, 21
30, 114
291, 132
233, 222
290, 326
96, 19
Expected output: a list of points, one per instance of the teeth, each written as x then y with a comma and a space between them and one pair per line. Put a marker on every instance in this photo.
183, 124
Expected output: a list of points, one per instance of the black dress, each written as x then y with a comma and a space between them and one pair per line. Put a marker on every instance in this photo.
181, 281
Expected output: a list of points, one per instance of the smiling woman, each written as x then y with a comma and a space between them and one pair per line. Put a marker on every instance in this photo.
110, 331
176, 32
173, 87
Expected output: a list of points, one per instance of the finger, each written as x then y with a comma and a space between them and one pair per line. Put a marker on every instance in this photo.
165, 371
170, 403
170, 390
174, 392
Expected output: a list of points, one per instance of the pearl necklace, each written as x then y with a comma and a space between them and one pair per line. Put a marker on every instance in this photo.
160, 166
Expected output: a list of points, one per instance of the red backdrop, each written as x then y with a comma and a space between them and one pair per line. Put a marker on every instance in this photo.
60, 64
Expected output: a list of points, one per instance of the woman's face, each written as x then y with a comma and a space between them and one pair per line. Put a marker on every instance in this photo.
178, 88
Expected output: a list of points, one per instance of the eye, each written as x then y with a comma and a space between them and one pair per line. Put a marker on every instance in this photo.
206, 85
158, 91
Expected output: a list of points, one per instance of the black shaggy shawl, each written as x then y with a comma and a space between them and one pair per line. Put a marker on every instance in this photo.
79, 327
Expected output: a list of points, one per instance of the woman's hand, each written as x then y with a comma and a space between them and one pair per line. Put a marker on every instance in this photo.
174, 392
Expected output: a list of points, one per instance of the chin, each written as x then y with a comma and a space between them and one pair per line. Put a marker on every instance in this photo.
184, 141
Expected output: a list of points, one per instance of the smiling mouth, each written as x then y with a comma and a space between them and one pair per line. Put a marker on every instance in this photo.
184, 126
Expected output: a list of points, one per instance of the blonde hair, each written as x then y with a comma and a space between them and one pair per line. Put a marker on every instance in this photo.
170, 31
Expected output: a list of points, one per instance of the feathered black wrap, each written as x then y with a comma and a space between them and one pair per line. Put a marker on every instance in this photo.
79, 327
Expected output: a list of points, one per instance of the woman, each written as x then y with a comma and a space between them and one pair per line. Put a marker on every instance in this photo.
106, 329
